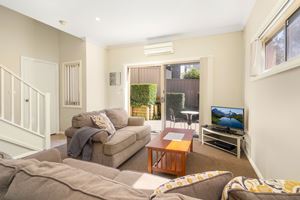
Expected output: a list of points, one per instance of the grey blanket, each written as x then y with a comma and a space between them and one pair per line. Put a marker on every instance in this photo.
81, 143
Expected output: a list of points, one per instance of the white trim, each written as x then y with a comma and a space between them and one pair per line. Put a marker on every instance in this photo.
257, 171
23, 128
20, 144
63, 85
285, 66
163, 62
25, 154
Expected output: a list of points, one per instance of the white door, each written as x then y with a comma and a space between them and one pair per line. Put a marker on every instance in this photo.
42, 75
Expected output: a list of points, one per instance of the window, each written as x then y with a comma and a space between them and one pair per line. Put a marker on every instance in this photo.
293, 35
275, 49
72, 84
284, 44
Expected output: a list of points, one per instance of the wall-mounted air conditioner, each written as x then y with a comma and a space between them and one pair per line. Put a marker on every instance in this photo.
159, 49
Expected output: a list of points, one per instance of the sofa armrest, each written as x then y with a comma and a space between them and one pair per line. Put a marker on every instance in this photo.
206, 185
136, 121
51, 155
102, 136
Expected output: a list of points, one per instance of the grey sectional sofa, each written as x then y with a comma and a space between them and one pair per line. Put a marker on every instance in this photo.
131, 136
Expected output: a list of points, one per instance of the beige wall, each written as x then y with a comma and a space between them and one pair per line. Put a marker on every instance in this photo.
273, 105
71, 49
227, 53
24, 36
96, 77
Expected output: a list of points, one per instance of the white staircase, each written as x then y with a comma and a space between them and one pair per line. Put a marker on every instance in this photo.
24, 116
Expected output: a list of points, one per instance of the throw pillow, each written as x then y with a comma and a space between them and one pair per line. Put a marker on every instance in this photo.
249, 188
118, 117
101, 121
207, 185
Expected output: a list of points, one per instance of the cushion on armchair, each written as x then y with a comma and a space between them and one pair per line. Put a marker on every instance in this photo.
249, 188
118, 117
207, 185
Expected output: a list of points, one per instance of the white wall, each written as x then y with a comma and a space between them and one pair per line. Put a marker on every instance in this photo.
274, 106
227, 53
96, 77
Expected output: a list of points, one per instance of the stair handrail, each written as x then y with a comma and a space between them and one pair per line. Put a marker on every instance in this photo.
20, 79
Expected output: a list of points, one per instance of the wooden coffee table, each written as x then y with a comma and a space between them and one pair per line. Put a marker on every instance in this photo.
169, 156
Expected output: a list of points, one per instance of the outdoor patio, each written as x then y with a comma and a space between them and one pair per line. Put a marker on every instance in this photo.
156, 125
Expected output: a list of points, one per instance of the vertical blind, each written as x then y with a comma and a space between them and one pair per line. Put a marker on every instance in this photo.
72, 84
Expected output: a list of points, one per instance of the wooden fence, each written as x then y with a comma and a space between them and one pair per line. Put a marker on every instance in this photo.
152, 75
188, 86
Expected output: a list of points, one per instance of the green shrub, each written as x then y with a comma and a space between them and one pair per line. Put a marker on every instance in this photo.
192, 74
143, 94
176, 102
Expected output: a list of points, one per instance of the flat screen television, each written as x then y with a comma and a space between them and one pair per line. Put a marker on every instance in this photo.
231, 118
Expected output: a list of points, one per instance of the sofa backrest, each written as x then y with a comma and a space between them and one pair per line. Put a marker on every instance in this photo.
118, 117
84, 119
36, 180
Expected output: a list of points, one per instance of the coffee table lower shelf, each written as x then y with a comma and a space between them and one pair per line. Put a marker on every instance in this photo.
167, 162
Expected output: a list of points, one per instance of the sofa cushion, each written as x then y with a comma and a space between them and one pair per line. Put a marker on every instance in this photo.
8, 168
84, 119
118, 117
207, 185
119, 141
35, 181
249, 188
142, 181
103, 122
140, 131
102, 136
93, 168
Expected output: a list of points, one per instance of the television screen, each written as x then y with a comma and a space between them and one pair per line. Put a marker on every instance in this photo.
228, 117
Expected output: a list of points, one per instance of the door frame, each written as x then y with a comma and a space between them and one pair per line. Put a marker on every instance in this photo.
161, 63
56, 65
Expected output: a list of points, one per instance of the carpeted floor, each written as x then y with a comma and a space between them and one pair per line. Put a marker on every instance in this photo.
204, 158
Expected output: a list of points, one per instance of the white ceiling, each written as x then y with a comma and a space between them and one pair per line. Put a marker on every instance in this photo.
130, 21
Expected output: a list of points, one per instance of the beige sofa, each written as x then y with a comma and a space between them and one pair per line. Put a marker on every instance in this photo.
131, 136
45, 175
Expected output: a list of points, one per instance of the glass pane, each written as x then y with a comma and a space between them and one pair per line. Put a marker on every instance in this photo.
293, 36
182, 95
275, 50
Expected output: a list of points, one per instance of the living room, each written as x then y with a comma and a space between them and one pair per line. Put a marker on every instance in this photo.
66, 73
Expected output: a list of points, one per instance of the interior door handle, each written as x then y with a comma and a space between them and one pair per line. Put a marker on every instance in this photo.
26, 100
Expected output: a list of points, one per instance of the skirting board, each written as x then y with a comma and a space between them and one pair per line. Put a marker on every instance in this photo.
258, 173
24, 155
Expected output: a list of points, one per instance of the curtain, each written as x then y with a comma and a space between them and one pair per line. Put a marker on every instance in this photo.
256, 57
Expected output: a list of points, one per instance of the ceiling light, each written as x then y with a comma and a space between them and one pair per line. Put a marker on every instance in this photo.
98, 19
